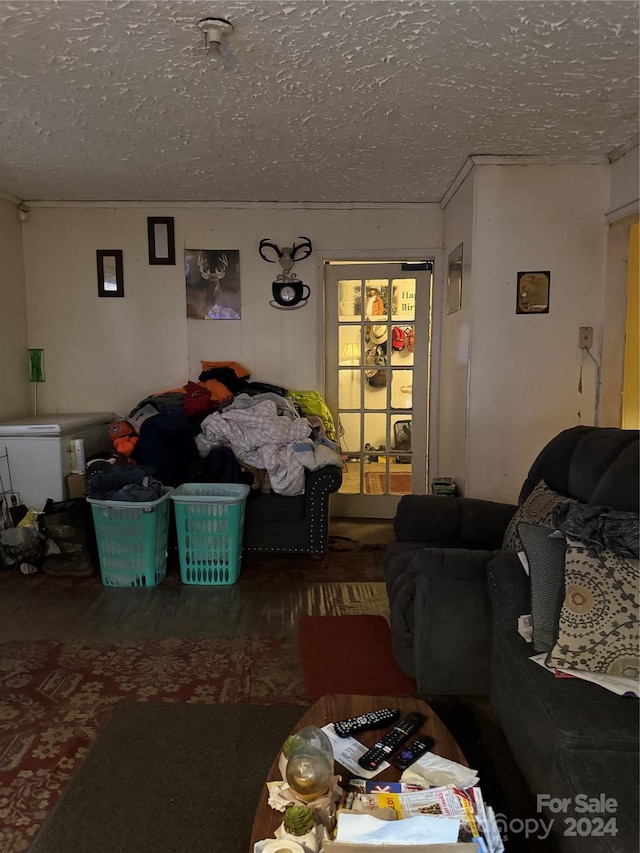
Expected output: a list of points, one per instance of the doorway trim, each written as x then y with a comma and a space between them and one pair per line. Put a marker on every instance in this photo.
397, 256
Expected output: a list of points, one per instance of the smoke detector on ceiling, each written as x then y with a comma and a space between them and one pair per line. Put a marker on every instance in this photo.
215, 32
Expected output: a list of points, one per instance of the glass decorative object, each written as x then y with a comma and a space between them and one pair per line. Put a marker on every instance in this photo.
310, 764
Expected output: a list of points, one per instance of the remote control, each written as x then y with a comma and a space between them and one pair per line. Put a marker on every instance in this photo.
366, 722
395, 737
412, 751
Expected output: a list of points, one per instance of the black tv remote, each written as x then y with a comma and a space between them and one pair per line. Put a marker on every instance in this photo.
366, 722
394, 738
412, 751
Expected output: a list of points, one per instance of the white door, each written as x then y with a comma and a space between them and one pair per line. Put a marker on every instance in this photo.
377, 378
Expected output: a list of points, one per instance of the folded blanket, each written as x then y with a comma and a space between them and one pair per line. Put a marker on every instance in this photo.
599, 527
260, 438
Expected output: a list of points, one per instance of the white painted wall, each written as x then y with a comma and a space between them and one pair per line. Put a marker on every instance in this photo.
15, 401
455, 332
525, 369
625, 180
107, 354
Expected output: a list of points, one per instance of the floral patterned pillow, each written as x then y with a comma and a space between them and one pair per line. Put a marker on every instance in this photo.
599, 621
537, 509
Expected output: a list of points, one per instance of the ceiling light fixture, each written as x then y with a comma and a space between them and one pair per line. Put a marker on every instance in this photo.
215, 31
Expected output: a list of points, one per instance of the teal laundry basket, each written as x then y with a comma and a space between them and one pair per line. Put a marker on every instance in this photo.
132, 540
210, 526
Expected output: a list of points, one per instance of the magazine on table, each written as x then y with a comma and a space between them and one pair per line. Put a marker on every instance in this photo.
477, 822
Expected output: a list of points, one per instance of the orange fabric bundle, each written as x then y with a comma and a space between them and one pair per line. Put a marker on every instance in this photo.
240, 371
123, 437
219, 391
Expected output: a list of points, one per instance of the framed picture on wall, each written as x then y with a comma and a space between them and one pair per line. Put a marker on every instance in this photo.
533, 292
161, 238
110, 274
454, 281
212, 283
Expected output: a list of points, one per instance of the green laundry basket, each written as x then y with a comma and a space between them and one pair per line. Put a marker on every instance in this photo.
132, 540
210, 526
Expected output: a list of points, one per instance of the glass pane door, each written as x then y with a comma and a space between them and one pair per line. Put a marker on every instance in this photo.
377, 333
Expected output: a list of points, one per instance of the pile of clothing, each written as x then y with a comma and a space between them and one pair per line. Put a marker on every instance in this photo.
109, 482
226, 428
265, 432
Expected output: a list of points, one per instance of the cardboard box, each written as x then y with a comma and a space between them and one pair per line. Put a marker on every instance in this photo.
75, 485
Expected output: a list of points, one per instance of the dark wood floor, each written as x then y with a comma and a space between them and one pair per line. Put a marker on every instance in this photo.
270, 596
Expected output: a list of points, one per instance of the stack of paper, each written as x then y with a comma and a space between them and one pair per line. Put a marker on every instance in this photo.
457, 815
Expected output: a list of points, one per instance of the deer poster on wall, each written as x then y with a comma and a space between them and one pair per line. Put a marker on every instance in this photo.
213, 283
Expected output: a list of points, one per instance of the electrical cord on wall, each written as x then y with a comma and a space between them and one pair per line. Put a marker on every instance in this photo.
596, 404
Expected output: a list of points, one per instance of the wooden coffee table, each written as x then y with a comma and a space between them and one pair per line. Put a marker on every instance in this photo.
339, 706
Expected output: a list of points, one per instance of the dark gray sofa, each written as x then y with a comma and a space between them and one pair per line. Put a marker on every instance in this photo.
292, 524
455, 596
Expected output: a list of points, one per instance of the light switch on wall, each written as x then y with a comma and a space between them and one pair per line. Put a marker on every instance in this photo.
586, 337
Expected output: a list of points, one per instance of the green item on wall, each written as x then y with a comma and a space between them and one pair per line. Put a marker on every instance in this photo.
36, 365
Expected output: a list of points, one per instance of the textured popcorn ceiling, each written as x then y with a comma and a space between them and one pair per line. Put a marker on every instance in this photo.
336, 101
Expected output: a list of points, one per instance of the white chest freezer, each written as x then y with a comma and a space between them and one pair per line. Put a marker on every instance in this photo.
39, 455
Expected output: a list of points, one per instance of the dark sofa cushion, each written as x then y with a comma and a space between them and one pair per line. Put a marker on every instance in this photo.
439, 613
542, 715
397, 557
443, 522
616, 489
276, 508
402, 594
539, 714
596, 465
452, 639
609, 772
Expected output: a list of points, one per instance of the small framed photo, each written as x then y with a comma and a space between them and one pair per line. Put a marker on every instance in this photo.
533, 292
110, 275
161, 237
454, 281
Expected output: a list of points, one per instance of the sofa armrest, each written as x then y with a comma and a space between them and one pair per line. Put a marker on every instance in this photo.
321, 482
439, 609
509, 591
449, 522
318, 486
395, 560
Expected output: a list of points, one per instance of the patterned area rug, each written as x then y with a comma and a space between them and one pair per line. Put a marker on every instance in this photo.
375, 483
54, 698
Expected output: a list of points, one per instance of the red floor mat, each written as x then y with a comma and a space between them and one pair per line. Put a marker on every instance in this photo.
350, 654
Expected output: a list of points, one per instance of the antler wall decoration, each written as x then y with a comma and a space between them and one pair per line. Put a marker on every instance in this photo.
288, 290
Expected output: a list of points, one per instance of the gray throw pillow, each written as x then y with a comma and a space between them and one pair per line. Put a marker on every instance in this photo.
546, 557
537, 509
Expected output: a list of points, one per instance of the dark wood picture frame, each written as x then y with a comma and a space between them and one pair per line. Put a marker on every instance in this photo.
110, 272
532, 295
162, 243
